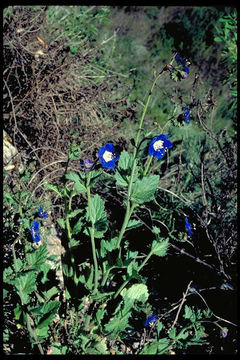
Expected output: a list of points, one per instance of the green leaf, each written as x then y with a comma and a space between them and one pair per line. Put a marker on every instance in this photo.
58, 349
75, 155
183, 334
160, 326
131, 267
189, 313
45, 313
98, 216
77, 227
8, 275
94, 176
159, 248
26, 284
74, 213
50, 293
137, 292
123, 171
99, 347
121, 180
61, 222
45, 269
55, 188
89, 283
218, 39
37, 258
133, 224
143, 190
17, 312
78, 183
73, 243
18, 264
163, 345
99, 315
42, 333
125, 161
118, 323
172, 333
108, 246
150, 349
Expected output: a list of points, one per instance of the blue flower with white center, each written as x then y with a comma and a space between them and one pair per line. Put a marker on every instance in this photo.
159, 145
34, 228
150, 320
188, 227
108, 156
42, 214
86, 164
186, 114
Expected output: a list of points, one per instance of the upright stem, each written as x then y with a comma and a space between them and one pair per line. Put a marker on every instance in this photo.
148, 163
129, 209
92, 238
143, 115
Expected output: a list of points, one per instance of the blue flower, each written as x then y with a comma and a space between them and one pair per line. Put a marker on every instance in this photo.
159, 145
86, 164
34, 228
186, 114
44, 215
188, 227
150, 320
108, 156
184, 63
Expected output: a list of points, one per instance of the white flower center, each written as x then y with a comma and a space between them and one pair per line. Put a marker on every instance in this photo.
108, 156
158, 145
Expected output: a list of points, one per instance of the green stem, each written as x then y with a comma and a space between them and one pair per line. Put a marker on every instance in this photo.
138, 270
106, 275
121, 288
143, 115
92, 238
148, 163
33, 334
129, 209
67, 211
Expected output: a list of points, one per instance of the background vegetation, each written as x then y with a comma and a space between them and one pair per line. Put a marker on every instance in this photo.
76, 78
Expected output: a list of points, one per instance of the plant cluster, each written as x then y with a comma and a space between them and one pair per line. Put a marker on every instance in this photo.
122, 213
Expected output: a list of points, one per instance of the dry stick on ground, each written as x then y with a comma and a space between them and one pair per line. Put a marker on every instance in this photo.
218, 317
180, 306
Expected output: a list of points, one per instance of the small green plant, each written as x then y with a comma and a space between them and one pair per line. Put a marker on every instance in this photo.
226, 34
105, 292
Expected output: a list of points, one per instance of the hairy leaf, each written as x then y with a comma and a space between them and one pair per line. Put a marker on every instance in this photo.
159, 248
143, 190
